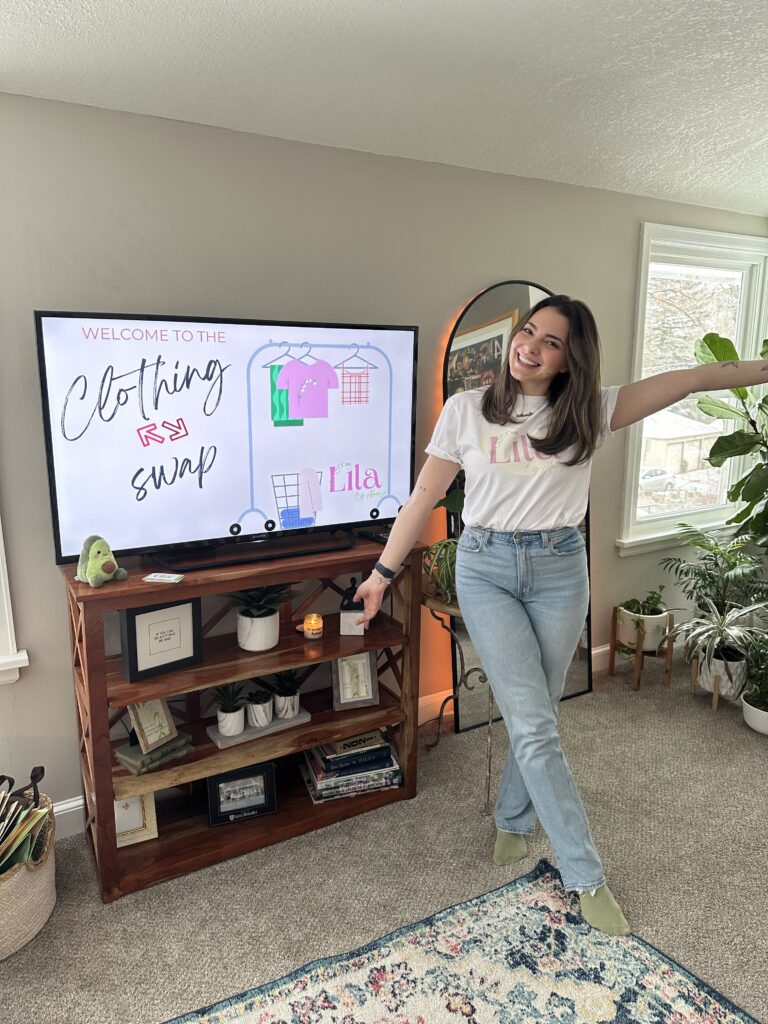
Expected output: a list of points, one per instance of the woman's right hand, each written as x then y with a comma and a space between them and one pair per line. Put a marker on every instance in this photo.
371, 593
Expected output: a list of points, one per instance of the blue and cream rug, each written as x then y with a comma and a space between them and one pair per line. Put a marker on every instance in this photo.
513, 956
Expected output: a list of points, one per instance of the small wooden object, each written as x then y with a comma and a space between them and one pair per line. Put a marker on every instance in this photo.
715, 684
640, 654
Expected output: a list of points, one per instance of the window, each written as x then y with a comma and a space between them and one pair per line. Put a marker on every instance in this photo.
691, 283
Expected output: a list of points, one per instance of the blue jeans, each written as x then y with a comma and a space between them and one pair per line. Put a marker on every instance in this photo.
524, 597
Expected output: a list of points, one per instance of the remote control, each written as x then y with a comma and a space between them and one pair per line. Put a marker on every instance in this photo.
164, 577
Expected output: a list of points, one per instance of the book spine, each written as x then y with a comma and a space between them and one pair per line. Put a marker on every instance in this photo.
352, 761
141, 767
367, 771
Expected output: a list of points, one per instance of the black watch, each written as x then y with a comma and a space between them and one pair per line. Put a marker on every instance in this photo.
382, 570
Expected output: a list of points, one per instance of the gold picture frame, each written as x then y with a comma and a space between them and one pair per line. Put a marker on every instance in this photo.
355, 681
153, 722
135, 819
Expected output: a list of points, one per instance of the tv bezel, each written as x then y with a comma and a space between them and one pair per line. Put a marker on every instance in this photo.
208, 544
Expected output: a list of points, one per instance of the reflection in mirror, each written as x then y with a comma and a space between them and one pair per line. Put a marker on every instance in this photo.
476, 350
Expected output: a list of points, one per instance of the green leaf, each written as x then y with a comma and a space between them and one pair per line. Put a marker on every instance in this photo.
764, 349
715, 349
719, 409
734, 492
756, 484
745, 513
453, 501
732, 445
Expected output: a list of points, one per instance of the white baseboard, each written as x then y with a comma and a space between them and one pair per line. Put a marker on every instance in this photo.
70, 817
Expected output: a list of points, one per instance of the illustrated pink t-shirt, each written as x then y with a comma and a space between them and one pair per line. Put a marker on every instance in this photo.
308, 385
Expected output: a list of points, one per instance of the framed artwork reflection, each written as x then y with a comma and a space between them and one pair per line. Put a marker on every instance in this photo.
355, 681
478, 353
160, 638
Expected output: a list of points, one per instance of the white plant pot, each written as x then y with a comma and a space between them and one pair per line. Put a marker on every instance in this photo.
655, 627
754, 717
259, 715
258, 634
231, 723
286, 707
728, 690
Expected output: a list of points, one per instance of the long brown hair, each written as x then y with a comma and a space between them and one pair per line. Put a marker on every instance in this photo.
574, 395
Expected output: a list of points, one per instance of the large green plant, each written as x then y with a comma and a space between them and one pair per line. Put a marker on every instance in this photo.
440, 568
723, 571
757, 674
751, 438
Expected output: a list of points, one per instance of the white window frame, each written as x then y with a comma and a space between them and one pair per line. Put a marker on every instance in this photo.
692, 247
11, 660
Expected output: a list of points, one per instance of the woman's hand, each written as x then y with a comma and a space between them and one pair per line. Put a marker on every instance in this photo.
371, 593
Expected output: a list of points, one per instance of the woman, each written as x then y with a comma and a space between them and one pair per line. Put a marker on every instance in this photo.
526, 444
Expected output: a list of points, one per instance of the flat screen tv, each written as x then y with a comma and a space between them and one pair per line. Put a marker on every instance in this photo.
164, 433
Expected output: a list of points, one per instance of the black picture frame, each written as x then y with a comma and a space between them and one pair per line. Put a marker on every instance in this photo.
242, 793
144, 630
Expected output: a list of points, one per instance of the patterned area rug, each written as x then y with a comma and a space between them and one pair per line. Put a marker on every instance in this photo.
516, 955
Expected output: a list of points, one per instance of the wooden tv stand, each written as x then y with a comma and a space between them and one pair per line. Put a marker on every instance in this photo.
185, 841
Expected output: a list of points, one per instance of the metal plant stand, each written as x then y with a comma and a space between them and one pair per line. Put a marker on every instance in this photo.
443, 612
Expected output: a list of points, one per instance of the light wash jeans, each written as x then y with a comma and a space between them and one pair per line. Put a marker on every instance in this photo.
524, 597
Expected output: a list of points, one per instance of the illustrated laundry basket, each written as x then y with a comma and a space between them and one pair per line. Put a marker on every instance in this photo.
28, 891
288, 498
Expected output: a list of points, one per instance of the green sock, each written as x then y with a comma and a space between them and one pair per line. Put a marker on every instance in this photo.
603, 912
510, 848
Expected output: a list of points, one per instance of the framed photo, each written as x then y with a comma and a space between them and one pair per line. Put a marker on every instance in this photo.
160, 638
135, 819
355, 681
478, 353
242, 793
153, 723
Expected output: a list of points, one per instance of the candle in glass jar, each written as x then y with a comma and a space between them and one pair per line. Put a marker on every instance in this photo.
313, 626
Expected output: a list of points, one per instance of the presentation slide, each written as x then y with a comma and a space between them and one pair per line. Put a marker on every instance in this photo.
163, 432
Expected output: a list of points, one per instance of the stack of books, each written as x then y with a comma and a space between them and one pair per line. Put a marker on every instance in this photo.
137, 762
348, 767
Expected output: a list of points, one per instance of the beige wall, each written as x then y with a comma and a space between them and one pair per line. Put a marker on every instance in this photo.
121, 213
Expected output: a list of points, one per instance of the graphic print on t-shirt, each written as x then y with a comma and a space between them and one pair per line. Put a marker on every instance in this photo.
308, 386
511, 447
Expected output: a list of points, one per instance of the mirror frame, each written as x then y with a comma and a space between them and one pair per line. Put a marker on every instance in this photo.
453, 525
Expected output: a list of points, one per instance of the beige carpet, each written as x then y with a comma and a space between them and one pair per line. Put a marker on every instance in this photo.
678, 803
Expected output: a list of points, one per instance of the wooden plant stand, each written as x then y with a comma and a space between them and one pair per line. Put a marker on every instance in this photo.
185, 841
640, 654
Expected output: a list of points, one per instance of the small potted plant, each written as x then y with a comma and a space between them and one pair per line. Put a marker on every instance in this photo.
229, 708
720, 641
650, 612
439, 563
259, 707
285, 687
258, 616
754, 699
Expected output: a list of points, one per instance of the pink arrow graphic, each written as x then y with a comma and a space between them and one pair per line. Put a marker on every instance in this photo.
178, 429
147, 434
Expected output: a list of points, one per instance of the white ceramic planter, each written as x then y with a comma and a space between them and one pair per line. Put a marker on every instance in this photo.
655, 627
754, 717
258, 634
728, 690
231, 723
286, 707
259, 715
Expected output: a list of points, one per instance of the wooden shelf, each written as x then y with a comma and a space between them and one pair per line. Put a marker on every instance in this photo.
208, 759
186, 842
225, 662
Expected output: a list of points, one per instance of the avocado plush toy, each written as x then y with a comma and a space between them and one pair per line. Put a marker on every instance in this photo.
97, 564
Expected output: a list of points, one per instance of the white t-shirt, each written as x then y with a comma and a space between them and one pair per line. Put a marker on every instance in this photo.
508, 485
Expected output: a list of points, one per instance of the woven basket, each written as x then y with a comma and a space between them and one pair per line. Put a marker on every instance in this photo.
28, 891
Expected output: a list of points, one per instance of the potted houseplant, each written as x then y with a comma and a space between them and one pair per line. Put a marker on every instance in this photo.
723, 570
720, 641
258, 616
230, 712
285, 687
259, 707
650, 612
754, 699
439, 563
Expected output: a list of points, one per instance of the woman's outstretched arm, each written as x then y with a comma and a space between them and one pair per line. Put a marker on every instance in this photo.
643, 397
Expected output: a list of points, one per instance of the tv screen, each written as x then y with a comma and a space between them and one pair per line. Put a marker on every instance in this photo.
164, 432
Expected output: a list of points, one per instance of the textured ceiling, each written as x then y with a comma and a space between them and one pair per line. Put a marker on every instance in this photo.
665, 98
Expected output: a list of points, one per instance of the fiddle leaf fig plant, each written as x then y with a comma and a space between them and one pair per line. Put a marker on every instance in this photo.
750, 437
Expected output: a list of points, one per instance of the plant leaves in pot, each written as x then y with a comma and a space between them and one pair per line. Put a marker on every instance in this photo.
258, 615
650, 612
259, 707
754, 699
439, 563
230, 712
285, 687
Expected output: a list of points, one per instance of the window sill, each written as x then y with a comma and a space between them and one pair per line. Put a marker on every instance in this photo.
662, 541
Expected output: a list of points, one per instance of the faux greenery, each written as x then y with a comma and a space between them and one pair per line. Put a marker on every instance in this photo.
723, 572
651, 604
284, 684
229, 697
259, 696
261, 601
750, 438
756, 692
440, 567
717, 634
